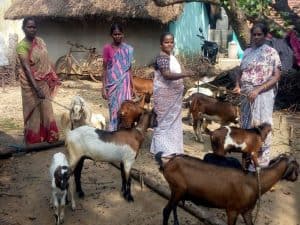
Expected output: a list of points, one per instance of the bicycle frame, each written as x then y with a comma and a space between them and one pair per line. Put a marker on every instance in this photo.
87, 65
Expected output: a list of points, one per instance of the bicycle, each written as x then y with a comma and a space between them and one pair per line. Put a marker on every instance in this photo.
90, 65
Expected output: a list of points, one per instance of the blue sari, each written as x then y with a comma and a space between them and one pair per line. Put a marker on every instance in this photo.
118, 79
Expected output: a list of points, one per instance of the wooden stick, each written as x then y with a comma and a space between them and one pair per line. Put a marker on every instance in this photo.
10, 195
10, 150
291, 135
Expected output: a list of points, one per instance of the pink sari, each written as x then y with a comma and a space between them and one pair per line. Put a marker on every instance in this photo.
118, 81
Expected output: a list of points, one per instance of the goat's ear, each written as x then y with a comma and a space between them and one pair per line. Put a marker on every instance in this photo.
57, 173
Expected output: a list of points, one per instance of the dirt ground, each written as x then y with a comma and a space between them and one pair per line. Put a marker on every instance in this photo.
25, 184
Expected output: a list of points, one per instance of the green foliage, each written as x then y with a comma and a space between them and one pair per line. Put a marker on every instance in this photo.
255, 8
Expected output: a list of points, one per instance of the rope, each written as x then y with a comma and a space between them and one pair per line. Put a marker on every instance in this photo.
57, 103
259, 192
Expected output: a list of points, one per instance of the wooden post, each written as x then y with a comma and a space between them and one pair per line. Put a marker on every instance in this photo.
291, 135
10, 150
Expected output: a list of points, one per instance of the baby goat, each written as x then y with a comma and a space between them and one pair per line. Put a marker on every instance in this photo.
59, 173
247, 141
117, 146
129, 113
211, 187
205, 107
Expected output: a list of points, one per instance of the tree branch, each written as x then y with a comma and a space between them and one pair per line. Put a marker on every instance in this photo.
282, 7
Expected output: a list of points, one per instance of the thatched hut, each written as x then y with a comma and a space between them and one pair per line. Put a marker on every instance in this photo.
88, 21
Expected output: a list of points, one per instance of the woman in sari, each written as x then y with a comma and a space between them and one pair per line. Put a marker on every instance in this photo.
38, 83
167, 94
117, 78
260, 72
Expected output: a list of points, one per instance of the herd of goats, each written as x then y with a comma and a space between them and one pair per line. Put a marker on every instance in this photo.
233, 188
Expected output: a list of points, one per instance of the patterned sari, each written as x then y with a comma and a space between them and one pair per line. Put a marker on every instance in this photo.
258, 66
167, 136
118, 81
39, 122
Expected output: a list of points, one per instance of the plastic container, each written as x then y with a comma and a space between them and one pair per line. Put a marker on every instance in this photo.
232, 50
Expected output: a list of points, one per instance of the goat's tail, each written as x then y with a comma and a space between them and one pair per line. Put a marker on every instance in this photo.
159, 160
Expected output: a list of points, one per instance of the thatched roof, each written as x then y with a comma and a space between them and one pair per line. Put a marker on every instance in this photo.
141, 9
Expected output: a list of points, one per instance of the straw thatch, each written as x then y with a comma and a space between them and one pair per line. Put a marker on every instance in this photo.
141, 9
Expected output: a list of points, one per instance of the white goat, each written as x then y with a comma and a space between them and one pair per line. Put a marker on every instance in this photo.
98, 121
80, 113
59, 174
99, 145
191, 91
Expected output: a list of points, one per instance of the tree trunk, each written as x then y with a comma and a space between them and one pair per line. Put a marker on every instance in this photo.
282, 7
238, 21
236, 16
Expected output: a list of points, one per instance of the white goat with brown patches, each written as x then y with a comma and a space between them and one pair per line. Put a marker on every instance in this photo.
117, 146
60, 173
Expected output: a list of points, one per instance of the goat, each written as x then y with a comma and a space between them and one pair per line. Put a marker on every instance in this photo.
143, 88
129, 114
98, 121
248, 141
204, 107
59, 174
211, 187
80, 113
222, 160
117, 146
186, 98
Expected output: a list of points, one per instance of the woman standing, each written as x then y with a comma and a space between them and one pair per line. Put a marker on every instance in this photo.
167, 93
117, 78
39, 83
260, 72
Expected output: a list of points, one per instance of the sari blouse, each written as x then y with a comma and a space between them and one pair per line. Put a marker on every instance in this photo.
258, 65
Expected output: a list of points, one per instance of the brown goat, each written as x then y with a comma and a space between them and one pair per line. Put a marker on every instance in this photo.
210, 108
211, 187
129, 114
247, 141
144, 89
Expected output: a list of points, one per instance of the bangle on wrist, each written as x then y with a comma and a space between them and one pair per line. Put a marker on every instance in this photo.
264, 87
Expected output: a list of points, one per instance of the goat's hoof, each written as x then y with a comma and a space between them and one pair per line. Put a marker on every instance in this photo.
56, 219
80, 194
73, 207
128, 197
62, 221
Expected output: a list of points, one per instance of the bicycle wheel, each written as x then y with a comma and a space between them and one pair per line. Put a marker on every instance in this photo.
61, 67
